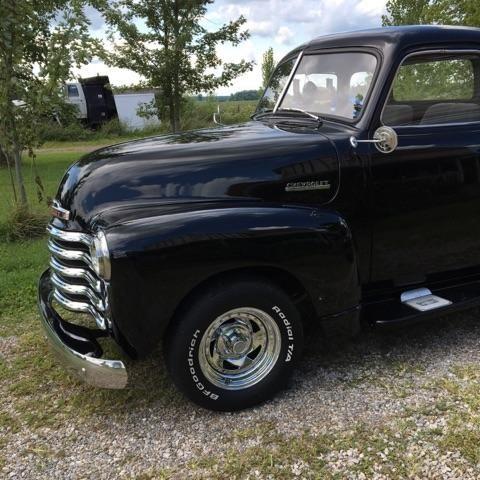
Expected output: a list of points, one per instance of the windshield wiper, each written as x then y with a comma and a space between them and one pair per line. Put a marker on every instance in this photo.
299, 110
264, 112
271, 112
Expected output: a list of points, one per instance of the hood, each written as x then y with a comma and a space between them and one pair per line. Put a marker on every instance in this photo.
254, 161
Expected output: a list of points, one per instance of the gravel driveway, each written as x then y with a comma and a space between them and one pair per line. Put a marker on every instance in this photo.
391, 384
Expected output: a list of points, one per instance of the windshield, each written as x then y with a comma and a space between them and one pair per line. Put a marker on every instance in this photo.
329, 84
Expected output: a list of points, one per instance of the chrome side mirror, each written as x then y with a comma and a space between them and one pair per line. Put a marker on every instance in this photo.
384, 138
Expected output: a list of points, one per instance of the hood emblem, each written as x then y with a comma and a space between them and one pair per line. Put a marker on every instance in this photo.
59, 212
305, 186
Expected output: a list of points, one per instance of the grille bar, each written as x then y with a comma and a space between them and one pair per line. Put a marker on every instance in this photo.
81, 290
81, 307
67, 254
74, 272
78, 237
76, 285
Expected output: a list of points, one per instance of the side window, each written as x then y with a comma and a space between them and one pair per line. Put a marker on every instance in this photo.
434, 90
72, 91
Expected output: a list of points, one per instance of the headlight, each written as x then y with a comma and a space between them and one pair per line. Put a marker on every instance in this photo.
100, 256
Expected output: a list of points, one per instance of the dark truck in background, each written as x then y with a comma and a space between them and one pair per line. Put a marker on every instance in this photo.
93, 99
351, 198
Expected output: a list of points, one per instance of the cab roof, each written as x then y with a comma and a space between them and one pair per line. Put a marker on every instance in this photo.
399, 38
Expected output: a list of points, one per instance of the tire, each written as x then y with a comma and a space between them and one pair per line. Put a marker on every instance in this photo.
249, 322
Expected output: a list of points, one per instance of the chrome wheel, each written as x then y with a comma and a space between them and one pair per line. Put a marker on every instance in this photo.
239, 348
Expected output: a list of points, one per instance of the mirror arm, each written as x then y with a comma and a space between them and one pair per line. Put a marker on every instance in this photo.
354, 142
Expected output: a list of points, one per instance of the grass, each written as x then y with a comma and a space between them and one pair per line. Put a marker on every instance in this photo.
50, 166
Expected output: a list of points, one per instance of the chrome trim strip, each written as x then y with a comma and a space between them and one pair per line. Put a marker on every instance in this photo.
68, 254
72, 272
70, 236
81, 307
78, 290
59, 211
287, 85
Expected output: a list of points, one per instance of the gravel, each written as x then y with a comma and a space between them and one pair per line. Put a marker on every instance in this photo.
7, 346
373, 379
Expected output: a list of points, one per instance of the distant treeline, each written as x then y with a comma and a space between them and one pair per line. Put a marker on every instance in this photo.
234, 97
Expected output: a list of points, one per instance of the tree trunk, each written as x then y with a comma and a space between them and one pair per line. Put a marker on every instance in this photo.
13, 150
171, 113
3, 159
177, 113
22, 194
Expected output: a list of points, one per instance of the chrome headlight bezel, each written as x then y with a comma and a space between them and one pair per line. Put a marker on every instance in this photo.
100, 256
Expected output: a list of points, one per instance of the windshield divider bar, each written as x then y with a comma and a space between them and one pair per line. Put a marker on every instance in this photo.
289, 81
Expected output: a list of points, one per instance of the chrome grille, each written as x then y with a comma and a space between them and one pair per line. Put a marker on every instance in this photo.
76, 287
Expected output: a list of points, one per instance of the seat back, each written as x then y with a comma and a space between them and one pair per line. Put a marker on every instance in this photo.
395, 115
442, 113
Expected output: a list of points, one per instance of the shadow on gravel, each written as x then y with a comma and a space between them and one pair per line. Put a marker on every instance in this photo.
415, 345
327, 363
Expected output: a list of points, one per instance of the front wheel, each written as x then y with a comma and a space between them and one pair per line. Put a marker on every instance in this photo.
235, 346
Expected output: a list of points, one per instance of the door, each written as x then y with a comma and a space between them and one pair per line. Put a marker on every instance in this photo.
426, 193
75, 97
96, 106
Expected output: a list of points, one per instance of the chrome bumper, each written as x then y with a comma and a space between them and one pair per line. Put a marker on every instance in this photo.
76, 346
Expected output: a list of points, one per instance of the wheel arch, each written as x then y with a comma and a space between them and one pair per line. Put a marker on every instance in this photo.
277, 276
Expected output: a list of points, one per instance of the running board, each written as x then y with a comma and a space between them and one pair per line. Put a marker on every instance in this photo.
421, 304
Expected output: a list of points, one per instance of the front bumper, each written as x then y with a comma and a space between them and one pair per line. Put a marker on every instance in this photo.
77, 347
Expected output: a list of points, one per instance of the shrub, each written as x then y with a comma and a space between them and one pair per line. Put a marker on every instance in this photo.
23, 224
112, 128
71, 132
195, 114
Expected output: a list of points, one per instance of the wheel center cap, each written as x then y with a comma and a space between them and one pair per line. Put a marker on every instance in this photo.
234, 341
240, 347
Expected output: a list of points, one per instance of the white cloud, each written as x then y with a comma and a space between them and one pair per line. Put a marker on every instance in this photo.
262, 29
284, 35
375, 8
281, 24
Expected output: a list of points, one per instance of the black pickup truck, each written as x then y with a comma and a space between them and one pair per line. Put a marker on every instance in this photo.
351, 198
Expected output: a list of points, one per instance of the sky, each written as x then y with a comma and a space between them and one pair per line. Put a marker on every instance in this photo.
280, 24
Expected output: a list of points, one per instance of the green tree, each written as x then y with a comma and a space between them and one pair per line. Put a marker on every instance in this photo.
268, 66
447, 12
408, 12
39, 43
245, 95
171, 49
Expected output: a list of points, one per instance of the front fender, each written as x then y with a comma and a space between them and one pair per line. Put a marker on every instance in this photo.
158, 260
